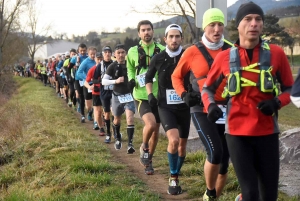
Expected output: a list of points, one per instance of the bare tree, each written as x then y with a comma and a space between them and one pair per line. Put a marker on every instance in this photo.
37, 36
183, 8
9, 14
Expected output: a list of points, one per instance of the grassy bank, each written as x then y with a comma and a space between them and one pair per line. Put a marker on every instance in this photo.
53, 157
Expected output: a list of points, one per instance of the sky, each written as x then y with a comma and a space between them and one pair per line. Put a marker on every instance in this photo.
78, 17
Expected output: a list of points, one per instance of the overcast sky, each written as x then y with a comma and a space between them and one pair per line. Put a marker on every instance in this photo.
81, 16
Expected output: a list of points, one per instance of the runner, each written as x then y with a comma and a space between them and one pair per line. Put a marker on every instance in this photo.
197, 60
122, 100
173, 112
95, 87
43, 71
106, 91
138, 60
81, 73
249, 72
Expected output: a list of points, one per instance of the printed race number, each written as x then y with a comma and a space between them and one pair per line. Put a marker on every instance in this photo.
172, 97
222, 119
109, 87
141, 79
125, 98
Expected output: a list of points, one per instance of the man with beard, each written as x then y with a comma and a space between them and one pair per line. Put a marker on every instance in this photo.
138, 60
173, 112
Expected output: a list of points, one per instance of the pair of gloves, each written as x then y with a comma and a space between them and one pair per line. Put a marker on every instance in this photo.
267, 107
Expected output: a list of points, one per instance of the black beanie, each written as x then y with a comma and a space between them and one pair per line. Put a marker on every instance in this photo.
246, 9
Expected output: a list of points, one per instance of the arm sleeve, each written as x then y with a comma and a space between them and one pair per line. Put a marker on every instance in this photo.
182, 68
214, 78
106, 80
131, 64
151, 71
80, 72
89, 75
285, 78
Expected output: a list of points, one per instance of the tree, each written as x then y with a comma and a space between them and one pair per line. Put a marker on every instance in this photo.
184, 8
37, 37
9, 14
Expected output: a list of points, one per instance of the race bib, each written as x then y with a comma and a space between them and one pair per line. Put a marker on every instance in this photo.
125, 98
109, 87
141, 79
89, 91
222, 119
172, 97
81, 83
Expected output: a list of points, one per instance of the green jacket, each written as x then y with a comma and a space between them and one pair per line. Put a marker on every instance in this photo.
43, 70
140, 93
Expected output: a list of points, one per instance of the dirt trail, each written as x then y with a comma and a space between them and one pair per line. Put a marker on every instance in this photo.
158, 183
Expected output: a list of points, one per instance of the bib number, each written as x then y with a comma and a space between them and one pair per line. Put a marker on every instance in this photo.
109, 87
125, 98
81, 83
172, 97
141, 79
222, 119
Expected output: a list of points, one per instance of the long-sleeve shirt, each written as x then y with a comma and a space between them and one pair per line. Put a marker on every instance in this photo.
139, 91
84, 68
243, 117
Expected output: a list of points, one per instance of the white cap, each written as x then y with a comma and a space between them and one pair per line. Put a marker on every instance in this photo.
173, 27
67, 53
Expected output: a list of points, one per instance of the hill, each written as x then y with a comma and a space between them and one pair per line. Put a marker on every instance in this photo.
266, 5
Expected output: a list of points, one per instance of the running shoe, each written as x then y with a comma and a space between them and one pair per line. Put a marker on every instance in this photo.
208, 198
70, 104
95, 127
118, 144
149, 169
82, 119
90, 115
130, 149
102, 132
107, 139
62, 96
144, 156
174, 187
239, 198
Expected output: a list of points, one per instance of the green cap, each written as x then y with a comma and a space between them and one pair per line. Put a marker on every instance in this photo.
212, 15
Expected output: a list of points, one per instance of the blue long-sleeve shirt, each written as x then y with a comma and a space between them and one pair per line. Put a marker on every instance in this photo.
84, 68
73, 60
59, 65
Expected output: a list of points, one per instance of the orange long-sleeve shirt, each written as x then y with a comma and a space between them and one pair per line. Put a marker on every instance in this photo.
193, 60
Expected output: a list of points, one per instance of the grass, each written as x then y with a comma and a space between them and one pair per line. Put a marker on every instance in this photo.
55, 158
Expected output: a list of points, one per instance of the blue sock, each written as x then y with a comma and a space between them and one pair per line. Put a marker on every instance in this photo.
180, 162
173, 158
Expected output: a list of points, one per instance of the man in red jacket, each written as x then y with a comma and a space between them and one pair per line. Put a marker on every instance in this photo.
249, 73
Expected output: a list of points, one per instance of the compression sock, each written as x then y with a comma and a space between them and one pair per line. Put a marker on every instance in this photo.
179, 163
130, 132
173, 158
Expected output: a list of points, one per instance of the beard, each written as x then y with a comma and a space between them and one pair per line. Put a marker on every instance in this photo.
147, 39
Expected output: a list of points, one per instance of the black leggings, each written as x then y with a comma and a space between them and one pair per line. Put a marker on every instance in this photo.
256, 163
72, 93
213, 138
81, 96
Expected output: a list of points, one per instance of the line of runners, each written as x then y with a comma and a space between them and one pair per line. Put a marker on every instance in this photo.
228, 90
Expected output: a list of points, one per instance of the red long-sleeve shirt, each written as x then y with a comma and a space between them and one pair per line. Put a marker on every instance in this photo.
243, 117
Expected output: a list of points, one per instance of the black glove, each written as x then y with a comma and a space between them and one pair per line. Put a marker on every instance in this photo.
131, 84
152, 100
191, 98
214, 112
268, 107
